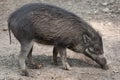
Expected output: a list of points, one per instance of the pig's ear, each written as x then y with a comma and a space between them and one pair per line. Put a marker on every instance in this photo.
86, 39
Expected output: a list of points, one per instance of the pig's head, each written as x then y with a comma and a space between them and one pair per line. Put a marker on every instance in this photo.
94, 49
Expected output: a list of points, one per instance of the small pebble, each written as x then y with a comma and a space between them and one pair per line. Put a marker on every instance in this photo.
115, 71
106, 10
105, 4
5, 29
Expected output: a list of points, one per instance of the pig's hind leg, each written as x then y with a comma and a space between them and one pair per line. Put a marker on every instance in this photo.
55, 53
25, 49
30, 62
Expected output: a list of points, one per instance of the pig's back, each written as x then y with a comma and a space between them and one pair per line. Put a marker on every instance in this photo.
49, 23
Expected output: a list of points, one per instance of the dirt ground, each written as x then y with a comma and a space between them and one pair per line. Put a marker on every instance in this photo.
103, 15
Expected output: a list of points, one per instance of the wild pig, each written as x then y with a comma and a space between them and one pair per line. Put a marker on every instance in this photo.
51, 25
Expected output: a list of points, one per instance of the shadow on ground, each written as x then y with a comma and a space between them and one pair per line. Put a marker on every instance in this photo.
12, 61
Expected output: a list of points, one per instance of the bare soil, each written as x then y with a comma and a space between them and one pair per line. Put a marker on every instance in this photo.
103, 15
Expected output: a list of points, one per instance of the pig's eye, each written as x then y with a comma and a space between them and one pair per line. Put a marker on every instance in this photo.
91, 49
97, 49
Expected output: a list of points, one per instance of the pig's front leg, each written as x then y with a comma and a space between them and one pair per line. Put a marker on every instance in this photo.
63, 54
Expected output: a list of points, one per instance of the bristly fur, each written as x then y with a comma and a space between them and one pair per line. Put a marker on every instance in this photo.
50, 25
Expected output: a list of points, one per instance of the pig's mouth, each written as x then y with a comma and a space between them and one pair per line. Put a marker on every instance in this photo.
100, 59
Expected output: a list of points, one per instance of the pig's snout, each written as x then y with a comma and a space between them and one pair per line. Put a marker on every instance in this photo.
102, 62
100, 59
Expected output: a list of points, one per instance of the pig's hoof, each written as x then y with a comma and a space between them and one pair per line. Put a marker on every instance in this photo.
67, 66
24, 73
105, 67
35, 66
55, 63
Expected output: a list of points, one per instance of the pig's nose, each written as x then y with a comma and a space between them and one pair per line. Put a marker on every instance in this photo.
102, 62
